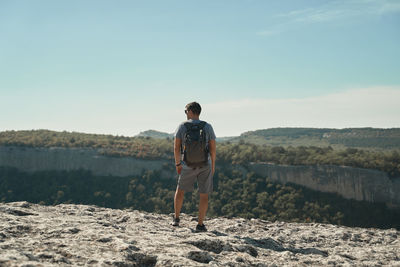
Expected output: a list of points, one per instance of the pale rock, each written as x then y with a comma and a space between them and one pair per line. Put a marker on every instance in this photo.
68, 234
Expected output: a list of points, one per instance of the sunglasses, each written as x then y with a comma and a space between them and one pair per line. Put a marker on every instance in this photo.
186, 111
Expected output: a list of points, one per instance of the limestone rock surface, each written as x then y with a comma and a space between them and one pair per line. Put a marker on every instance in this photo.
68, 234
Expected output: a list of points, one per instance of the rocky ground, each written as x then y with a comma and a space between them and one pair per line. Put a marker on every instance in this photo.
35, 235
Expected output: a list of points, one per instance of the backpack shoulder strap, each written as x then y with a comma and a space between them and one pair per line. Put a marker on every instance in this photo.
202, 124
188, 125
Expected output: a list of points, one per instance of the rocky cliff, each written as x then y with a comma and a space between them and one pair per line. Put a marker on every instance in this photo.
66, 234
56, 158
351, 183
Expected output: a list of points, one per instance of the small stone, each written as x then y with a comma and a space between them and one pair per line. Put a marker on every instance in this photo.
105, 239
123, 264
124, 219
25, 204
142, 259
45, 256
348, 256
134, 248
239, 259
90, 209
23, 228
64, 260
248, 249
17, 212
200, 256
30, 257
106, 224
216, 246
74, 230
346, 236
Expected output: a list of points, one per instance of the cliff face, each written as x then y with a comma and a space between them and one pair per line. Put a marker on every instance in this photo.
39, 159
80, 235
351, 183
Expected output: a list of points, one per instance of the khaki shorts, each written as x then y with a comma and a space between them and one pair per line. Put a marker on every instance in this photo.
203, 176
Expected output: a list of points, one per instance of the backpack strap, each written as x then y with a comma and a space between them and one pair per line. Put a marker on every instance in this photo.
202, 124
190, 125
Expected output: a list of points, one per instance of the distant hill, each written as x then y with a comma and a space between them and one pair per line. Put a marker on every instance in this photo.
362, 138
161, 135
367, 138
339, 138
155, 134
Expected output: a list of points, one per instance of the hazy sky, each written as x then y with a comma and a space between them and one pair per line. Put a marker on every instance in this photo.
121, 67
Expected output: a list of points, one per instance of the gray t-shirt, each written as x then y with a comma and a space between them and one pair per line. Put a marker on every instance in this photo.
181, 130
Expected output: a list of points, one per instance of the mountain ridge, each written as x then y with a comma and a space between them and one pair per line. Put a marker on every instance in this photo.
362, 137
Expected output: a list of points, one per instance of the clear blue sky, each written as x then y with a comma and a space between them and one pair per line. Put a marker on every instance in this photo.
121, 67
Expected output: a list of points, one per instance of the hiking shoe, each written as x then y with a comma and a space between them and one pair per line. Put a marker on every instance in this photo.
201, 228
175, 222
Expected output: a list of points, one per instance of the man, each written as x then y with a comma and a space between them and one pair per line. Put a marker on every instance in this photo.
190, 172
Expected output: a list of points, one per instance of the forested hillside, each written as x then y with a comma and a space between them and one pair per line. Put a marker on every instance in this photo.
371, 138
234, 196
139, 147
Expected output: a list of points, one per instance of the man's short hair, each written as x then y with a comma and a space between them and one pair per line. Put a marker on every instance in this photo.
194, 107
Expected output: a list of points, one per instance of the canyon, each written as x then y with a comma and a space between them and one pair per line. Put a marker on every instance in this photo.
351, 183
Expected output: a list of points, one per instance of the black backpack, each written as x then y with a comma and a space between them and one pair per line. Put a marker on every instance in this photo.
195, 152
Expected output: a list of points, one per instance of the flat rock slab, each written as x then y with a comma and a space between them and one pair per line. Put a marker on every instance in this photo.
67, 234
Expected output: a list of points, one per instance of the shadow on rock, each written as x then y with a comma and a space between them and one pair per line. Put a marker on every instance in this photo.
269, 243
17, 212
142, 260
216, 246
200, 256
217, 233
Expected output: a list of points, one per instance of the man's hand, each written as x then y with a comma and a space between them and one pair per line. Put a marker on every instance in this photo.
179, 169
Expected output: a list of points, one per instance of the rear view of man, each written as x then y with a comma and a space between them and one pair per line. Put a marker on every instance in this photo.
195, 153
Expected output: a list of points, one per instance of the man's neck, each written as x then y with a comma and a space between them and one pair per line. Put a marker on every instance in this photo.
194, 118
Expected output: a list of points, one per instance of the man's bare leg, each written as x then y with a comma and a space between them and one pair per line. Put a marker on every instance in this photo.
203, 205
178, 201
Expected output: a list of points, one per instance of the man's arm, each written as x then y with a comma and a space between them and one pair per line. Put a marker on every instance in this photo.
213, 153
177, 154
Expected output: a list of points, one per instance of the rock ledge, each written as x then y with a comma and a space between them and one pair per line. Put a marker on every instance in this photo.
67, 234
